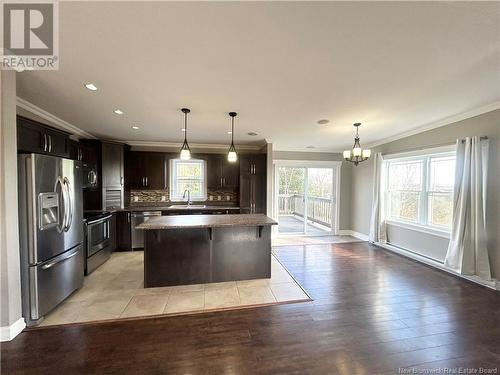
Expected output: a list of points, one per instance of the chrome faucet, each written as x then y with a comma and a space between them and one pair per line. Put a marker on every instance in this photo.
189, 196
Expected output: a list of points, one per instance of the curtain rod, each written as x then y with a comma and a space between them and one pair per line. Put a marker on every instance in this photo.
482, 138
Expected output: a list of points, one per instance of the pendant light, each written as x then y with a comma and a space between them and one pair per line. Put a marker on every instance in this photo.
185, 150
357, 155
232, 156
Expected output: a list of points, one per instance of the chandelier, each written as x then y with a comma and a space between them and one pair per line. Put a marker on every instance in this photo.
357, 154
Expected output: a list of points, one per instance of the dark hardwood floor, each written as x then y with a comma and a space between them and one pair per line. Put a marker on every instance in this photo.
373, 312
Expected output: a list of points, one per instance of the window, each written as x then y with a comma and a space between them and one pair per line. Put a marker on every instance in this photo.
188, 175
419, 190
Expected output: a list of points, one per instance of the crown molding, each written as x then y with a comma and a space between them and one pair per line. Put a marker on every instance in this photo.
433, 125
208, 146
54, 120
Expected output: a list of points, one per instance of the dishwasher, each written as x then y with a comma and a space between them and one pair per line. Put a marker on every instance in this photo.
138, 234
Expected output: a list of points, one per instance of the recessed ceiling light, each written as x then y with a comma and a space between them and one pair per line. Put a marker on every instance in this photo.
183, 130
118, 111
253, 134
135, 127
310, 147
230, 132
323, 121
91, 86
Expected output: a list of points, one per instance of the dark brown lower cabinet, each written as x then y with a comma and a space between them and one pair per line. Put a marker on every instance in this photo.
123, 231
241, 253
205, 255
176, 257
113, 232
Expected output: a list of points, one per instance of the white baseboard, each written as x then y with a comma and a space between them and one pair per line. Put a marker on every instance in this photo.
348, 232
493, 284
9, 332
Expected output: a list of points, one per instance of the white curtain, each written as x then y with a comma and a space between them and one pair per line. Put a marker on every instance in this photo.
377, 226
467, 252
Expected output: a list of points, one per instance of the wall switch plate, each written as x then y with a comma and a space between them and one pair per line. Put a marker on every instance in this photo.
219, 197
163, 198
136, 199
211, 198
228, 197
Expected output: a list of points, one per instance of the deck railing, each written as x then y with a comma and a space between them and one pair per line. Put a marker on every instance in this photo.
319, 210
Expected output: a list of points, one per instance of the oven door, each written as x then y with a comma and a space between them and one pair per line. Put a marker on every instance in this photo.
98, 235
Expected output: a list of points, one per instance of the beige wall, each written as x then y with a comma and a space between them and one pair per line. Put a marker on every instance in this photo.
344, 198
10, 281
487, 124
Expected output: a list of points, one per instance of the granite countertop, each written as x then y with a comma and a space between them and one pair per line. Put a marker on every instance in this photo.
206, 221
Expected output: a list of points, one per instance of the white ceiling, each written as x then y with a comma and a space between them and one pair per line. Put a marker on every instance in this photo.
281, 65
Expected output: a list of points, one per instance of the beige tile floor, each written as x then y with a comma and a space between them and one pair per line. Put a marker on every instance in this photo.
115, 290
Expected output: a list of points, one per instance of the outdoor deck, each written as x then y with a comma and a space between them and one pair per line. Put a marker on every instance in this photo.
290, 224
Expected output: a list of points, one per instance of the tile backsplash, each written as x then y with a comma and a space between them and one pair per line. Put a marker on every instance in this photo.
161, 196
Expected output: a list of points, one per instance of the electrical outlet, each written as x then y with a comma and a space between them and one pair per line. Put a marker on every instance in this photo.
163, 198
136, 198
228, 197
219, 198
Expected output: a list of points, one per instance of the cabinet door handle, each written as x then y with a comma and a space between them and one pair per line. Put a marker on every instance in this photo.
146, 181
121, 181
45, 142
50, 143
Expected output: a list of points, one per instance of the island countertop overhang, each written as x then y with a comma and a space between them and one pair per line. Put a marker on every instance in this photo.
206, 221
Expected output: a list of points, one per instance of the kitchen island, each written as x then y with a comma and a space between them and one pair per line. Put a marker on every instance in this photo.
196, 249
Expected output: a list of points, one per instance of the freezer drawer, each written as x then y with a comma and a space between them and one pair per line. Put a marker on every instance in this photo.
53, 281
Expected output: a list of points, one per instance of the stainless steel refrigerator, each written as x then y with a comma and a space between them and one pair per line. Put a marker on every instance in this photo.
51, 232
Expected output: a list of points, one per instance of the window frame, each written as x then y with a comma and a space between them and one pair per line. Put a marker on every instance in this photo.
176, 196
423, 223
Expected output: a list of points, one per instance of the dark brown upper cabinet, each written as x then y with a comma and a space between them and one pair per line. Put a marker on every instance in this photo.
112, 165
222, 174
253, 183
88, 156
82, 152
36, 137
146, 170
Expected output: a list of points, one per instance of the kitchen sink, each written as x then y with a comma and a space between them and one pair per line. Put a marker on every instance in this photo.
188, 207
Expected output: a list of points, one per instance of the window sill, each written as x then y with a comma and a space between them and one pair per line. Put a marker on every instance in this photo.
420, 228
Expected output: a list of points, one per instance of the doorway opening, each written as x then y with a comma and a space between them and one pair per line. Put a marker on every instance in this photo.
306, 198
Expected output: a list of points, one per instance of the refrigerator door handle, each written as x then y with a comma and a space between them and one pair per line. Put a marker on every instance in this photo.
45, 142
61, 227
70, 204
52, 264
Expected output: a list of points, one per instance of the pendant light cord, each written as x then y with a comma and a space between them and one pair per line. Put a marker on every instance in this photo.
232, 131
185, 126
